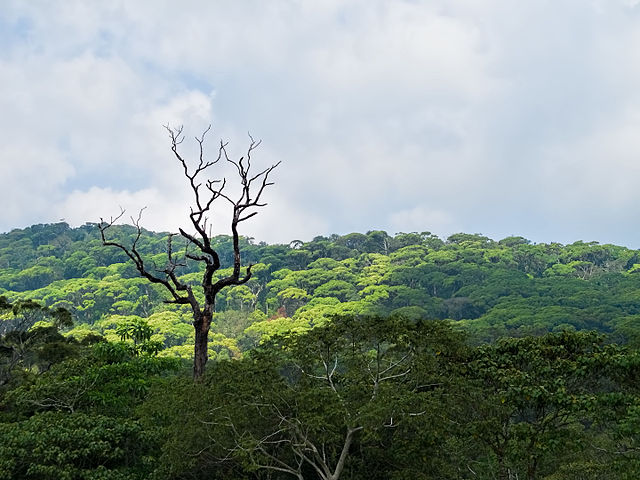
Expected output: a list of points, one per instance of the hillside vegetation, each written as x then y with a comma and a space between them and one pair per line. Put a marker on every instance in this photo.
363, 356
489, 288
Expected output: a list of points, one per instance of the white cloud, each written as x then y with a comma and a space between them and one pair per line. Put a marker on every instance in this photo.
97, 203
30, 180
600, 171
421, 218
491, 116
282, 221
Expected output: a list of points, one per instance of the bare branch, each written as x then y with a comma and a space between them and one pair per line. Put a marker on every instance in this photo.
135, 256
205, 191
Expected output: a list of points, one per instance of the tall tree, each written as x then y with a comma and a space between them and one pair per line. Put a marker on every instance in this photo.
304, 401
29, 337
206, 191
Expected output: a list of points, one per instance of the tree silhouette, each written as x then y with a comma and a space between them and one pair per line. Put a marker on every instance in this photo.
207, 192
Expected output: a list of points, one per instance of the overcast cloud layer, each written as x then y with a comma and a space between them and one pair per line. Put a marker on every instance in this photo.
487, 116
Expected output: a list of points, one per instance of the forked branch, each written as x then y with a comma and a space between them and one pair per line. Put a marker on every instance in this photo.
180, 292
206, 191
252, 189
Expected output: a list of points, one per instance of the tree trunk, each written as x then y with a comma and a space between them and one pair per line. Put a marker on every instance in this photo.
200, 242
345, 452
201, 347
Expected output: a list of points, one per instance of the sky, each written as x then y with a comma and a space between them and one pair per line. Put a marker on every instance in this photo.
479, 116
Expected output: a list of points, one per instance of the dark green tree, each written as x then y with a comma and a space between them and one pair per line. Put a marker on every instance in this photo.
30, 338
310, 406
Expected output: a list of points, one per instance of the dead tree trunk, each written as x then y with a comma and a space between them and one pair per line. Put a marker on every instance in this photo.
200, 352
198, 242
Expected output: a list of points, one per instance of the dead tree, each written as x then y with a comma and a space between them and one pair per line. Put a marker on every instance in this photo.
206, 192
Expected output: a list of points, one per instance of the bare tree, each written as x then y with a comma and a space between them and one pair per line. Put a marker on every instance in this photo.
290, 446
206, 191
352, 377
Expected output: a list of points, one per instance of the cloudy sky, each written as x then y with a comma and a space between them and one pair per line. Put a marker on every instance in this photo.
498, 117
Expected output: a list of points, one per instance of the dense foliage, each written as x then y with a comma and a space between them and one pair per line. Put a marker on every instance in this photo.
359, 398
491, 289
347, 357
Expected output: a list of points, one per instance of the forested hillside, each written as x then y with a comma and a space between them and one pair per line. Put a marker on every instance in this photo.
363, 356
489, 288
